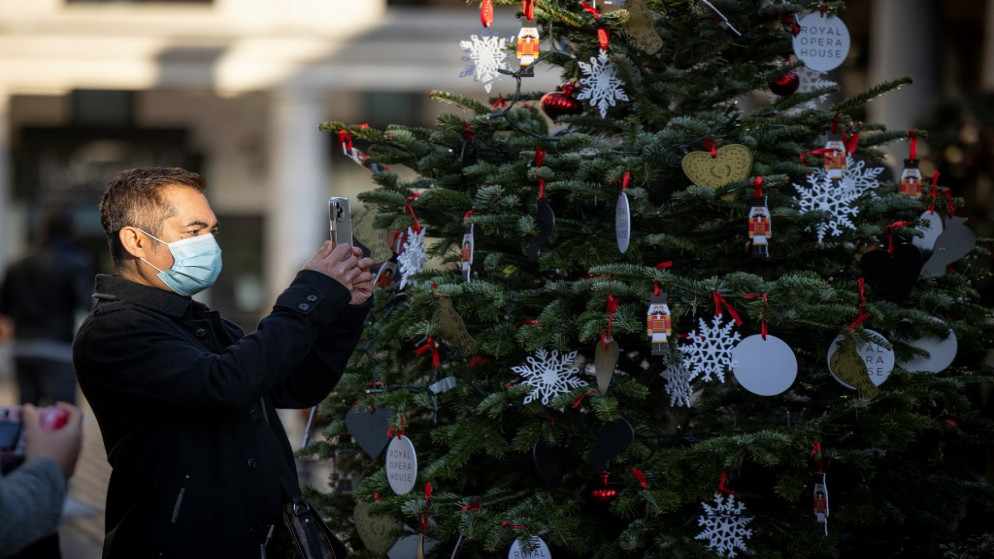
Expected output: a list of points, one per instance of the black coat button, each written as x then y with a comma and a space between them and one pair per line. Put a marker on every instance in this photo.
252, 464
303, 306
312, 298
200, 333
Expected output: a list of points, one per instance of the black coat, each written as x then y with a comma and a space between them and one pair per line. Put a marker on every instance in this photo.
186, 406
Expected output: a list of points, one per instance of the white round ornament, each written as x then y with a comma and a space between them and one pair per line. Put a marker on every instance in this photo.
532, 549
941, 353
402, 465
622, 222
931, 227
766, 367
823, 42
878, 358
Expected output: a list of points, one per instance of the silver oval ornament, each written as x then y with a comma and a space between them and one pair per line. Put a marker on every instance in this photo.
622, 222
402, 465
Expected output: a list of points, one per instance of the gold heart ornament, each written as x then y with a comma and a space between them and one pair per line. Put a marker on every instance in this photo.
732, 163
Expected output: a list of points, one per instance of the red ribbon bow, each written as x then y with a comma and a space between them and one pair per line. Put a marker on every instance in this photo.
430, 344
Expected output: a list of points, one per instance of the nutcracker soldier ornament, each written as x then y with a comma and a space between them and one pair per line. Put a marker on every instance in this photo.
658, 324
911, 176
760, 230
835, 156
527, 46
466, 256
911, 179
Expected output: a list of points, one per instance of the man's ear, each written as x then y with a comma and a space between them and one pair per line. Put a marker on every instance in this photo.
134, 242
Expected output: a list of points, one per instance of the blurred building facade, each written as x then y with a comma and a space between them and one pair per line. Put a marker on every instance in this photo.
235, 89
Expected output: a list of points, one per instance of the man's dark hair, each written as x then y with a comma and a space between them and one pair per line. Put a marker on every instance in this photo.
134, 198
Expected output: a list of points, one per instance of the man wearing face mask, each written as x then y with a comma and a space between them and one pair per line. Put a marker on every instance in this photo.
186, 401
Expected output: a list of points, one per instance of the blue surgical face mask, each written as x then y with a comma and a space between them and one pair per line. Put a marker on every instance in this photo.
196, 264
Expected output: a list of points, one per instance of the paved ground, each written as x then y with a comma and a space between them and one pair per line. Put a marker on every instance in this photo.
81, 531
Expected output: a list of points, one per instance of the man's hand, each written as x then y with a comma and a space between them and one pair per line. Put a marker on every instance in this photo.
62, 445
362, 285
340, 263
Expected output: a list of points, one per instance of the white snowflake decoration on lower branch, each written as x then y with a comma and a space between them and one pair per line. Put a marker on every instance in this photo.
677, 379
724, 525
413, 255
550, 374
486, 57
601, 85
836, 197
708, 351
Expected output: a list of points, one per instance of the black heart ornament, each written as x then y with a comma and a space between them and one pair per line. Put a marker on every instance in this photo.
611, 441
892, 274
369, 429
548, 462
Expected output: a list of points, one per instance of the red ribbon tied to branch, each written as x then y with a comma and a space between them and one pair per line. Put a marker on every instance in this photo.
764, 328
720, 301
539, 158
423, 518
711, 147
861, 283
410, 210
757, 184
640, 477
655, 284
722, 488
890, 235
430, 344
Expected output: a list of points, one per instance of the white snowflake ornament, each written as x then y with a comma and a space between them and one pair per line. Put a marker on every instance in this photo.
601, 85
486, 56
724, 525
413, 257
550, 374
708, 353
836, 197
677, 379
810, 80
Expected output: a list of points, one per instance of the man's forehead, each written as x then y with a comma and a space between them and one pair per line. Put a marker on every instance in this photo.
190, 207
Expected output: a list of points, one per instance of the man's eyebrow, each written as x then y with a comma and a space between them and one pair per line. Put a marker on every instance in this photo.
201, 224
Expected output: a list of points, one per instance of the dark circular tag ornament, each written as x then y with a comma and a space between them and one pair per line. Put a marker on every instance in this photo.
893, 274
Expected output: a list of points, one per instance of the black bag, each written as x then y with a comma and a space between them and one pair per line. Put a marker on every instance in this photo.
310, 536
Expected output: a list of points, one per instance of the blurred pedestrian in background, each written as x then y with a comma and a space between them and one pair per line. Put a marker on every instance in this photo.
42, 294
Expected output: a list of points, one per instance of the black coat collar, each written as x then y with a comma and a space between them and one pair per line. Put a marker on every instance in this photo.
166, 302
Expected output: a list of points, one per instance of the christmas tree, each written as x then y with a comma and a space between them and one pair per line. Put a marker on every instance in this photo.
676, 308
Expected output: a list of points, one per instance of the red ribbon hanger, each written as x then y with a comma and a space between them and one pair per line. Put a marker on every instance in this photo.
722, 488
661, 266
410, 209
720, 301
859, 306
433, 346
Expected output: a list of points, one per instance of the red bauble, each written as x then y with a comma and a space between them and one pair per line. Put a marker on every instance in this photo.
559, 103
785, 84
604, 492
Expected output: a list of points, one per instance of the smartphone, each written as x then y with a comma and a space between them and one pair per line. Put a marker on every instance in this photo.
340, 220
